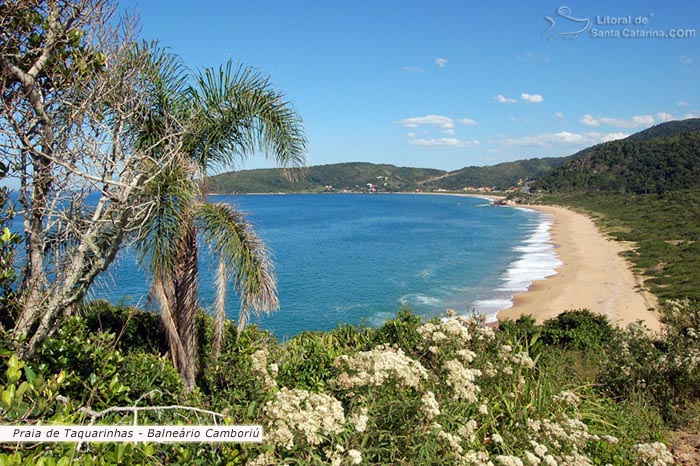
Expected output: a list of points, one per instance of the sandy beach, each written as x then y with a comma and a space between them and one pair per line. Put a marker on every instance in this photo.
593, 276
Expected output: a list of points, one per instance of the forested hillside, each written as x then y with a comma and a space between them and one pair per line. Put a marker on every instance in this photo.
320, 178
502, 176
663, 158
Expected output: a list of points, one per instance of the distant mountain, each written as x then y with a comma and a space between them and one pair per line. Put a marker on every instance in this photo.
663, 158
356, 176
502, 176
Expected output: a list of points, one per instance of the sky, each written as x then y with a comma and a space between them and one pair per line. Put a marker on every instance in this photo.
450, 83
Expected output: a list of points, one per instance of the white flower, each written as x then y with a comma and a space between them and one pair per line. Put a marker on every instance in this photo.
496, 438
376, 366
654, 454
532, 458
540, 450
355, 456
466, 355
452, 440
483, 409
299, 413
523, 359
259, 369
359, 421
509, 460
430, 407
567, 397
461, 379
468, 429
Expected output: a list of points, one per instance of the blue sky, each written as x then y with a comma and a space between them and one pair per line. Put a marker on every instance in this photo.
448, 84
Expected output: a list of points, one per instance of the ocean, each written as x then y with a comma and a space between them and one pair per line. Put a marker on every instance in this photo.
356, 258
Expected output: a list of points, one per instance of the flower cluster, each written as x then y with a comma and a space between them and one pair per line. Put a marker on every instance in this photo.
375, 367
462, 381
653, 454
568, 398
523, 359
337, 455
359, 420
430, 406
310, 414
457, 330
259, 369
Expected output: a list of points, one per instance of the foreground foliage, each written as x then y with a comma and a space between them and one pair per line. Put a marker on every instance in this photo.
447, 391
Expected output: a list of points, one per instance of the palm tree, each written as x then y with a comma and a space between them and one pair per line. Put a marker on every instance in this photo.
226, 115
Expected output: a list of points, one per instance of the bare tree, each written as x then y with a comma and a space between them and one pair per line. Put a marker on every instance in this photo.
73, 83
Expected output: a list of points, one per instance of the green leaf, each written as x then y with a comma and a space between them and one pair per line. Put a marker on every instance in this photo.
251, 409
7, 398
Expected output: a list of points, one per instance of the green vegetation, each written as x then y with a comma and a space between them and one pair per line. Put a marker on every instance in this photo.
389, 178
450, 391
502, 176
322, 178
410, 392
662, 230
664, 158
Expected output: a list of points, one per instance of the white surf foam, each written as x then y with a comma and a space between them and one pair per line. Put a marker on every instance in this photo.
537, 260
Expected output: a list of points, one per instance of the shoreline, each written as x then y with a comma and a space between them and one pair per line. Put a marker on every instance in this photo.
592, 276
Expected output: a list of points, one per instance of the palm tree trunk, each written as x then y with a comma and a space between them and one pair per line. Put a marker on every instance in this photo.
185, 309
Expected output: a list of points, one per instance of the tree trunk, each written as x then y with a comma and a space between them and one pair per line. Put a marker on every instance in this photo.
185, 309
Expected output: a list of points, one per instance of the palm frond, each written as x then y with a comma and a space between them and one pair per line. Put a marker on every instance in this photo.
167, 78
246, 258
165, 228
239, 114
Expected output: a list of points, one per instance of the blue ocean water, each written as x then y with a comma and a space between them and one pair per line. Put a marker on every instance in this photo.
359, 258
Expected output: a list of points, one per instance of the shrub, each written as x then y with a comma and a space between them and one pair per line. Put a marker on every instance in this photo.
665, 368
579, 329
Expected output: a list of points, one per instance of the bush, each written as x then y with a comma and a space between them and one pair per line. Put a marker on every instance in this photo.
579, 329
135, 330
664, 369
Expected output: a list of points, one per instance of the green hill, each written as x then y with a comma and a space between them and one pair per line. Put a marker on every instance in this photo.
501, 176
660, 159
335, 177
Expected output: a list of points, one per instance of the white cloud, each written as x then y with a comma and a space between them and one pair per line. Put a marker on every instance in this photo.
686, 60
441, 62
560, 116
413, 69
504, 100
636, 121
588, 120
468, 121
448, 131
444, 142
429, 120
562, 138
411, 134
665, 116
682, 103
613, 137
532, 98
